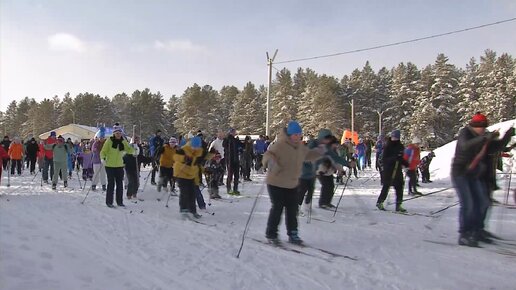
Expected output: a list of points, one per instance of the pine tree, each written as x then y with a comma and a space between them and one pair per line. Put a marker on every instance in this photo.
225, 105
10, 120
246, 108
283, 104
469, 96
171, 114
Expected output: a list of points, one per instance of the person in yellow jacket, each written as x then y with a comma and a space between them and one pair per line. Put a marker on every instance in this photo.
166, 164
111, 156
186, 170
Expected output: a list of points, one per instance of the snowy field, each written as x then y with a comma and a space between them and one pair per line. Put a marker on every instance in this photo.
49, 240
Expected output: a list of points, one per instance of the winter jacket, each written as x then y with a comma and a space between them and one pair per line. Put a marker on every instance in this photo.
59, 152
469, 144
392, 160
130, 163
87, 159
48, 152
259, 146
154, 144
41, 151
32, 150
15, 151
186, 162
493, 155
218, 145
114, 156
360, 149
95, 149
285, 161
412, 155
167, 156
3, 155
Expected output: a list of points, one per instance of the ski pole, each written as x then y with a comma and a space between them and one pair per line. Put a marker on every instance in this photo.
341, 195
419, 196
146, 180
34, 176
444, 208
79, 179
246, 228
9, 173
94, 176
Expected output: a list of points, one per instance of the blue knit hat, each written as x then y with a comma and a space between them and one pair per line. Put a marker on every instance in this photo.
396, 134
196, 142
293, 127
53, 134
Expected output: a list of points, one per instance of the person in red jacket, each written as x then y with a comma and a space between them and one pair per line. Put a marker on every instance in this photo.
49, 157
412, 156
41, 155
3, 156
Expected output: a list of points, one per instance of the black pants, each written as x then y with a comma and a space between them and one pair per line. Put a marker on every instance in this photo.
16, 164
305, 186
412, 181
397, 182
258, 161
115, 176
425, 174
327, 187
32, 160
4, 163
155, 167
186, 195
282, 198
233, 175
133, 182
166, 176
368, 159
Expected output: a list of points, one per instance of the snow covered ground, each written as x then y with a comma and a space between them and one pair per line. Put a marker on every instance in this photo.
51, 241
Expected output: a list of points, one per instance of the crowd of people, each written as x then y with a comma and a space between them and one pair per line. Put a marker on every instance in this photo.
292, 166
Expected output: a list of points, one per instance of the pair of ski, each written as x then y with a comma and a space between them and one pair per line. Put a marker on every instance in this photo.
499, 246
303, 249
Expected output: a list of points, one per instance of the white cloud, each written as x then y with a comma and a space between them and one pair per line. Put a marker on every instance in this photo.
66, 42
178, 46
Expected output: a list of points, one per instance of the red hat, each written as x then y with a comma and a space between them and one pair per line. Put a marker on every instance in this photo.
478, 120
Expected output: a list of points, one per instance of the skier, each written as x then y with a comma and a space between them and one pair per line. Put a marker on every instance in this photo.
213, 169
60, 151
99, 172
360, 151
424, 167
155, 143
166, 167
185, 172
41, 155
32, 150
393, 161
231, 147
15, 152
369, 150
111, 157
6, 142
259, 149
468, 174
87, 163
284, 160
48, 159
217, 144
71, 157
247, 158
131, 169
3, 156
412, 155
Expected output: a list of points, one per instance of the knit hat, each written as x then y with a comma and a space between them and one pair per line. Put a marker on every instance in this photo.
53, 134
478, 120
396, 134
117, 128
323, 133
172, 140
293, 127
195, 142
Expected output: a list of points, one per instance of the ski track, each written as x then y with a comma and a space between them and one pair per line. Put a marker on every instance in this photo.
48, 240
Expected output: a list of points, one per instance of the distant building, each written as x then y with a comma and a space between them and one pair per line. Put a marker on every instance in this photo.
75, 132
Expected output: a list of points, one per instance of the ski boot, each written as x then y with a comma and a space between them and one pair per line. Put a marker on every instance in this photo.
380, 206
103, 187
65, 183
185, 214
467, 239
54, 186
93, 187
399, 208
294, 238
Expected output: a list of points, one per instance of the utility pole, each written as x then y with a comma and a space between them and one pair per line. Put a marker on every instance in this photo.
268, 112
380, 113
352, 118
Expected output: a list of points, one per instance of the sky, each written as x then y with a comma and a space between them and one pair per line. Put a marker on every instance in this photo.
51, 47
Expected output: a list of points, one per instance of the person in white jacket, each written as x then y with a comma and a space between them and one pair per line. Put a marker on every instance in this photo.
217, 145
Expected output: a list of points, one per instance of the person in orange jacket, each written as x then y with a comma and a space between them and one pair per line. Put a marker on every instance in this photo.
3, 156
15, 152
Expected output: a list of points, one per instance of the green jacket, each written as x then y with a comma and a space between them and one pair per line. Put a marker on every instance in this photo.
113, 156
60, 151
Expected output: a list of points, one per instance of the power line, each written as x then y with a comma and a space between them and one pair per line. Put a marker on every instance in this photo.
399, 42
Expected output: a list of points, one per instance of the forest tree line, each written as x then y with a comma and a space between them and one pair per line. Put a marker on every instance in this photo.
431, 103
